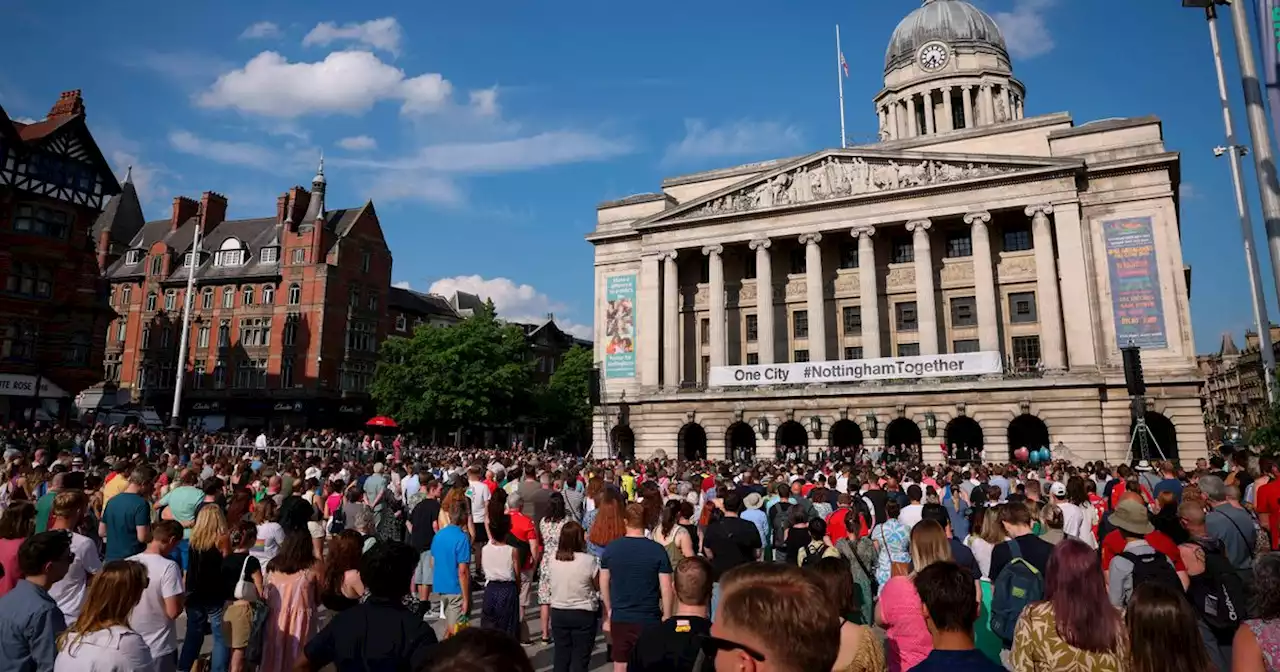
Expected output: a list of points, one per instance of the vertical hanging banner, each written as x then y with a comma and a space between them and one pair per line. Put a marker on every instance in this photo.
1268, 18
1135, 282
620, 326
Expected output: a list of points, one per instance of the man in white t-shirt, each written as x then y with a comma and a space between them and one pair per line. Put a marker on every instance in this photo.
162, 601
1073, 518
68, 510
912, 513
480, 496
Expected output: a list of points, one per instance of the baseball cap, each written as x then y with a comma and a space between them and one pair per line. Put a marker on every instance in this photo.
1058, 490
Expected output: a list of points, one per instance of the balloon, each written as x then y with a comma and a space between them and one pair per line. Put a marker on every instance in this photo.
1021, 454
1045, 455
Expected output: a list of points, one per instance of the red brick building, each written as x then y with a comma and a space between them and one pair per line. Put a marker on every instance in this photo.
54, 183
287, 314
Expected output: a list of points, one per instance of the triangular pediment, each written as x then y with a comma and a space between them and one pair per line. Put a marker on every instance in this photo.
843, 174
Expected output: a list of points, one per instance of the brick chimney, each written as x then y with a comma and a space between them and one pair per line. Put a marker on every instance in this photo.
282, 203
69, 104
183, 209
213, 210
299, 199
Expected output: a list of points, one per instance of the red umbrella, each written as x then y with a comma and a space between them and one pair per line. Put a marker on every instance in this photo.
382, 421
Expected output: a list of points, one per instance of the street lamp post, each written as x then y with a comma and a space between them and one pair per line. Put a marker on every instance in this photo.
1235, 151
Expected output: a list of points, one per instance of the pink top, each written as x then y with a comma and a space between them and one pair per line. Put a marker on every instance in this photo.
291, 618
9, 561
903, 616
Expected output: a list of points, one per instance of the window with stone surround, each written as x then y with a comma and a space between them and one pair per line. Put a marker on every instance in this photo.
151, 301
749, 266
800, 356
800, 324
964, 311
202, 337
753, 328
224, 334
1017, 238
852, 318
170, 300
848, 255
853, 352
964, 345
295, 295
206, 299
146, 337
704, 331
1026, 350
753, 358
905, 317
286, 373
903, 250
959, 244
268, 295
197, 375
908, 349
228, 297
799, 263
1022, 307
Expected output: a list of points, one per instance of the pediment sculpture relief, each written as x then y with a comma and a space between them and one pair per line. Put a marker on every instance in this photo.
1017, 268
838, 177
900, 277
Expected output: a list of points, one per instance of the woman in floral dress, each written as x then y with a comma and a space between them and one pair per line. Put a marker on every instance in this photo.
893, 541
549, 531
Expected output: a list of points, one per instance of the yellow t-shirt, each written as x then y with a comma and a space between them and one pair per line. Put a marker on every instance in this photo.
629, 486
114, 487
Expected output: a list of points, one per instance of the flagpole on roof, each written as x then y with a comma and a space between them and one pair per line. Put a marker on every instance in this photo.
840, 70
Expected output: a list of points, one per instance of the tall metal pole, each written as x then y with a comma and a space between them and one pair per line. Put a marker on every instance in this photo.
840, 82
189, 299
1263, 159
1234, 150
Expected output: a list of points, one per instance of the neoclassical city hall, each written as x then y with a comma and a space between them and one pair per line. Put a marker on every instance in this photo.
967, 280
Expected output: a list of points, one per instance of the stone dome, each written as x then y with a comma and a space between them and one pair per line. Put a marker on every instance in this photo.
955, 22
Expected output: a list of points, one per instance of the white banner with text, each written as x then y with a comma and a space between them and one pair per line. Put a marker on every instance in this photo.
857, 370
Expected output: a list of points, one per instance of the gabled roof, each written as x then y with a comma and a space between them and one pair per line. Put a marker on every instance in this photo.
66, 119
122, 217
420, 303
1228, 345
464, 303
835, 175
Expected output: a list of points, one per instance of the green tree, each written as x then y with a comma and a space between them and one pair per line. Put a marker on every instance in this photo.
1267, 434
472, 373
563, 402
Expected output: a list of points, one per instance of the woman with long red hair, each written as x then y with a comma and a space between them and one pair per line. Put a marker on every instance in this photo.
607, 523
1074, 627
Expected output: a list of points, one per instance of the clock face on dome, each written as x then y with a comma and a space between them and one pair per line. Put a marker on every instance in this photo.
933, 56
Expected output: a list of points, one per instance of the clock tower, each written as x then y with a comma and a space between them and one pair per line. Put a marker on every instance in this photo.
946, 69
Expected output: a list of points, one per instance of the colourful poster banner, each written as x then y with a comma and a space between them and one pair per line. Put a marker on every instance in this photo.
620, 326
1135, 283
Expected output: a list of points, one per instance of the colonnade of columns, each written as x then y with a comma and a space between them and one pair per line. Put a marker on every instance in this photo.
1052, 346
981, 105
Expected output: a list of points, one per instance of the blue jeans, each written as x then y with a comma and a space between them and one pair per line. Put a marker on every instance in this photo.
182, 554
197, 617
715, 600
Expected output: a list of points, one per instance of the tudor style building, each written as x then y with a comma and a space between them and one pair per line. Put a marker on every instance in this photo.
54, 183
287, 311
1025, 248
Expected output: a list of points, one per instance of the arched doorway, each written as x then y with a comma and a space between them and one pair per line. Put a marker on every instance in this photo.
1165, 435
1027, 431
902, 440
622, 442
740, 442
792, 440
964, 438
845, 438
692, 442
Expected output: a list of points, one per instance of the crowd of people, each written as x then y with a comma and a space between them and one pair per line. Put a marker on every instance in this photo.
134, 550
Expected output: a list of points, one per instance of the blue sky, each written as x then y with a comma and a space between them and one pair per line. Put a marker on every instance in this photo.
486, 133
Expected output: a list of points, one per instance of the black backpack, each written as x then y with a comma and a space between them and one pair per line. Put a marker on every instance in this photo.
1153, 568
1220, 597
813, 553
339, 521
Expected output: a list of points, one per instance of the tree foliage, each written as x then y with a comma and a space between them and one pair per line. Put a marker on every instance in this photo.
1266, 436
474, 373
563, 402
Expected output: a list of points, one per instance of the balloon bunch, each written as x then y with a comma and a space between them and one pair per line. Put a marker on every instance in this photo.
1036, 456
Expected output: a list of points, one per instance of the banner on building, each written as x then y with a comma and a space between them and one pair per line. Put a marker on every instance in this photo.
1135, 283
857, 370
1269, 42
620, 326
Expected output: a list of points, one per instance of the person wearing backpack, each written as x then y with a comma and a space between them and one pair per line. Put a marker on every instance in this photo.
1140, 562
819, 547
1019, 566
1216, 594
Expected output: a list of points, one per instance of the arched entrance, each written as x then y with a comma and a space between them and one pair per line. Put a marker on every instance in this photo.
964, 438
1027, 431
845, 438
792, 441
692, 442
902, 440
1165, 435
622, 442
740, 442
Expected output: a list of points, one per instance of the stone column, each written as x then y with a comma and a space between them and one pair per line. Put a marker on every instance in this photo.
815, 296
870, 293
715, 288
913, 123
929, 125
764, 300
926, 304
1048, 310
968, 106
1080, 335
984, 282
650, 322
988, 104
670, 321
893, 120
949, 119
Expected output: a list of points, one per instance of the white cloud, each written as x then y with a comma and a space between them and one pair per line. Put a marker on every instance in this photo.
413, 186
535, 151
485, 101
735, 139
149, 178
1025, 29
1188, 191
261, 30
25, 120
514, 302
246, 154
345, 82
358, 143
383, 34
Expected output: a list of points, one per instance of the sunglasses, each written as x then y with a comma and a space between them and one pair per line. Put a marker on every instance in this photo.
714, 645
